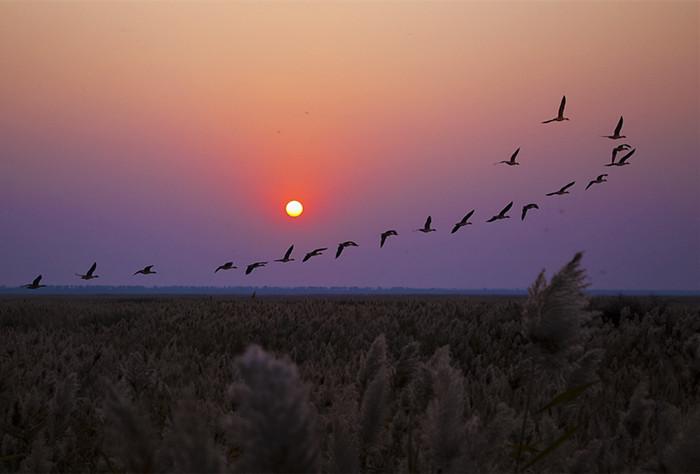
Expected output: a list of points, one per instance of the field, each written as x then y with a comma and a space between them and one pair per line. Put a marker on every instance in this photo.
550, 383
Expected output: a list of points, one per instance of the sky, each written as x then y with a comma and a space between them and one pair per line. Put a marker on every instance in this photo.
135, 133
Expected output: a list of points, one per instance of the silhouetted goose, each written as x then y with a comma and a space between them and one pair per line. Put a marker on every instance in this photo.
314, 253
286, 258
512, 161
463, 222
527, 208
225, 266
623, 160
560, 116
253, 266
148, 270
616, 134
600, 179
342, 245
426, 227
385, 235
502, 214
90, 273
562, 191
35, 284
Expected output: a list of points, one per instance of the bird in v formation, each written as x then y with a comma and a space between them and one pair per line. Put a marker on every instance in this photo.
427, 226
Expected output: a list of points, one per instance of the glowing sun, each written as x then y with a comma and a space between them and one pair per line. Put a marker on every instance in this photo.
294, 208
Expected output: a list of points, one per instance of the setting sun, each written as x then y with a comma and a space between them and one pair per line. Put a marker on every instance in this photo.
294, 208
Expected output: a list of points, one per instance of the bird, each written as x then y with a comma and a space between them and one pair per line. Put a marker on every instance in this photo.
616, 134
527, 208
385, 235
426, 227
35, 284
463, 222
148, 270
342, 245
225, 266
598, 180
253, 266
512, 161
286, 258
90, 273
617, 150
314, 253
560, 116
502, 214
562, 191
623, 160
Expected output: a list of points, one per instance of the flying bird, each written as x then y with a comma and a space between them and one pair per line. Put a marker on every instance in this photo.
253, 266
146, 271
616, 134
426, 227
314, 253
618, 149
527, 208
562, 191
560, 116
385, 235
623, 160
225, 266
342, 245
600, 179
35, 284
286, 258
90, 273
463, 222
502, 214
512, 161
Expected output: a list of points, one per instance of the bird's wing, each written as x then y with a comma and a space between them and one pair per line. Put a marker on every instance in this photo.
601, 176
469, 214
339, 251
522, 216
249, 269
148, 268
92, 269
550, 120
615, 151
561, 106
550, 194
492, 219
218, 268
591, 183
627, 156
618, 128
427, 222
506, 209
514, 155
307, 256
568, 186
36, 281
383, 239
455, 228
289, 252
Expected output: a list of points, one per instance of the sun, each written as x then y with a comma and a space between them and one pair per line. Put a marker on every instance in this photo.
294, 208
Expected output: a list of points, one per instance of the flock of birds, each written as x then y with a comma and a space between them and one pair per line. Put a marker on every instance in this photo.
427, 226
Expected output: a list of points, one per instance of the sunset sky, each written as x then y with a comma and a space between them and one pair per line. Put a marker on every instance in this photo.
173, 134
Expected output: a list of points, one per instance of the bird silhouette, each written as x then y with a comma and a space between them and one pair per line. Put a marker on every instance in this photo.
618, 149
225, 266
527, 208
342, 245
502, 214
616, 134
512, 161
253, 266
286, 258
623, 160
426, 227
463, 222
35, 284
148, 270
560, 116
600, 179
90, 273
314, 253
562, 191
385, 235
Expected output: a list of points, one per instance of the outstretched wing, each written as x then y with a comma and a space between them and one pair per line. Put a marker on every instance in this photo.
455, 228
514, 155
590, 184
561, 106
550, 120
36, 281
601, 176
288, 252
568, 186
92, 269
383, 239
506, 209
492, 219
522, 216
249, 268
339, 251
427, 222
627, 156
618, 128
